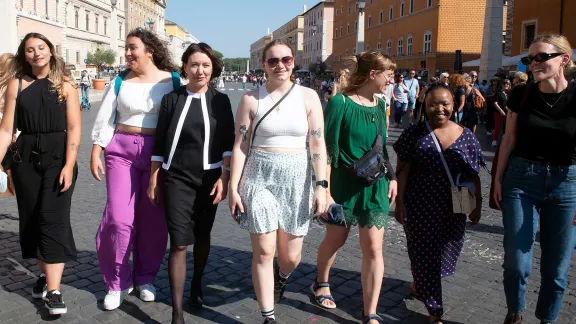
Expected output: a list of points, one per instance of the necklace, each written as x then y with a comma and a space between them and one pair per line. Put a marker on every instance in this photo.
555, 102
369, 109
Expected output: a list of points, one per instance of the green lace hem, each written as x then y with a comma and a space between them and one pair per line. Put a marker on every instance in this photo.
378, 218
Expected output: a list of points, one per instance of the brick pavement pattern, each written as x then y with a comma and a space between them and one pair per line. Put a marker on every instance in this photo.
474, 295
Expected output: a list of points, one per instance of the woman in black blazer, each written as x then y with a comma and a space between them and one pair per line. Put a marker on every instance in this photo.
194, 140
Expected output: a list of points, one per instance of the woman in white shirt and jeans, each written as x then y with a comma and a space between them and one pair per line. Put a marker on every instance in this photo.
400, 98
125, 129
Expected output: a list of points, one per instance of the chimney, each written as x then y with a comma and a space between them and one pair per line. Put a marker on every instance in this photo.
304, 9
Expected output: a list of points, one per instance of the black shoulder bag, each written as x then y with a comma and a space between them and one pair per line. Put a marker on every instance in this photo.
12, 157
372, 166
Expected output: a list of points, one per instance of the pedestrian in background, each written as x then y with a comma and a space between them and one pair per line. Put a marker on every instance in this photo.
192, 150
354, 122
400, 99
271, 186
500, 109
458, 87
520, 78
414, 86
85, 82
535, 179
42, 102
434, 233
124, 128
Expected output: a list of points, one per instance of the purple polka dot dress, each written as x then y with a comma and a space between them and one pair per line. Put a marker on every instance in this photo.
434, 234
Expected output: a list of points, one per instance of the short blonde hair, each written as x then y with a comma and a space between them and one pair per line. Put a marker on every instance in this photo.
444, 75
562, 46
521, 77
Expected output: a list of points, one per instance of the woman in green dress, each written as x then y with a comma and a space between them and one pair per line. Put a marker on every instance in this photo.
351, 125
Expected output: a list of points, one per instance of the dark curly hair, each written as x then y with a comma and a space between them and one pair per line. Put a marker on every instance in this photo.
217, 64
160, 54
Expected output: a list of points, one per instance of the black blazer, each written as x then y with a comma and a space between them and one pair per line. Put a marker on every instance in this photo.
221, 126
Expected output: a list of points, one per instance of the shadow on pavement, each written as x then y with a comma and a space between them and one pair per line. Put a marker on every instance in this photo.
228, 292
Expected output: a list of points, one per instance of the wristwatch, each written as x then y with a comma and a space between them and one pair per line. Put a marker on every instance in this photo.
322, 183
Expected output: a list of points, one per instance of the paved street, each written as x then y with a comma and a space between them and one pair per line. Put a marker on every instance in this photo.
473, 295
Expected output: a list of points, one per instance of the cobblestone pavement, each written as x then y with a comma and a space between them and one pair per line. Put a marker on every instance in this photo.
473, 295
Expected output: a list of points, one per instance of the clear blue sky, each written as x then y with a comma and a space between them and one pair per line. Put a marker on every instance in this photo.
230, 26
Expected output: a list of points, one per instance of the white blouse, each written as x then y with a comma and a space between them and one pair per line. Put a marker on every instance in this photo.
137, 105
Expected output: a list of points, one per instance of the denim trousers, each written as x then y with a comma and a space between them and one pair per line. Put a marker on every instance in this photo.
534, 192
399, 110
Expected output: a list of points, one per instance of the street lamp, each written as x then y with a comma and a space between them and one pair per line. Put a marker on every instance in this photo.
114, 22
361, 4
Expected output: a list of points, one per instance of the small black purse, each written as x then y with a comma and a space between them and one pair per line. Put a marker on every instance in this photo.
12, 157
372, 166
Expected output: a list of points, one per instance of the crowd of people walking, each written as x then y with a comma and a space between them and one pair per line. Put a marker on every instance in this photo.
173, 152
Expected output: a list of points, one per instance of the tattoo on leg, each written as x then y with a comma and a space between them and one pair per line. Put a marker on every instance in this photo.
316, 132
243, 131
315, 157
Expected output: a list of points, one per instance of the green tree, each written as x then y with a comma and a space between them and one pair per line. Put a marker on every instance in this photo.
218, 54
235, 64
101, 57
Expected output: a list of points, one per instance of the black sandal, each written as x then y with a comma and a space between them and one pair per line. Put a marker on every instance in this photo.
367, 318
320, 299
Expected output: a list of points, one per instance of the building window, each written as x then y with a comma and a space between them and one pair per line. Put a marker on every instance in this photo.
96, 23
348, 10
88, 20
381, 17
76, 17
528, 33
409, 46
429, 3
379, 45
105, 26
346, 52
340, 58
336, 12
342, 9
390, 13
336, 32
389, 47
348, 29
411, 6
58, 49
57, 7
356, 26
354, 51
427, 42
402, 8
77, 57
120, 36
67, 58
46, 11
369, 21
341, 31
400, 49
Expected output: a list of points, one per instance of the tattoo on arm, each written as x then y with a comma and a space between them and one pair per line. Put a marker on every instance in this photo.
316, 132
315, 157
243, 131
74, 147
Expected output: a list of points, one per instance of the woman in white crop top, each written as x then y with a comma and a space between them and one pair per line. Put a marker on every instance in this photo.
124, 129
273, 196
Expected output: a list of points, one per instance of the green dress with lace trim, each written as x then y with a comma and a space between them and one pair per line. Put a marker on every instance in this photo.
350, 133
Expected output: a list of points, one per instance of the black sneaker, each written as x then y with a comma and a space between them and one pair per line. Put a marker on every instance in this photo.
53, 302
513, 318
269, 320
39, 290
279, 285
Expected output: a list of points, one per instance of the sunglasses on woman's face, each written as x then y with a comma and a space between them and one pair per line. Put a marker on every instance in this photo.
273, 61
540, 57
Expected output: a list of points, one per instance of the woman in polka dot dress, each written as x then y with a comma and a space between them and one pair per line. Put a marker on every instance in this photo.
435, 234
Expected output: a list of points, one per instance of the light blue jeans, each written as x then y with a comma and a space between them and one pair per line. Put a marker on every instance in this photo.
532, 192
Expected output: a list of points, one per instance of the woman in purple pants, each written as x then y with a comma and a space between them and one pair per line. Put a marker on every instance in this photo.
125, 129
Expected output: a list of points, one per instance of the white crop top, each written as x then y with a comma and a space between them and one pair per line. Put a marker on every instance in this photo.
286, 126
137, 105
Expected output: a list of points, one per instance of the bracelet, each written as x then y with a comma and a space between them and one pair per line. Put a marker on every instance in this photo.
227, 169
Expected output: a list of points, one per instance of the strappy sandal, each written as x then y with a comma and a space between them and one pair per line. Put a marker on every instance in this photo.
320, 299
367, 318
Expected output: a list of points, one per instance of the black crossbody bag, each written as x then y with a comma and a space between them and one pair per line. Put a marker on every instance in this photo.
372, 166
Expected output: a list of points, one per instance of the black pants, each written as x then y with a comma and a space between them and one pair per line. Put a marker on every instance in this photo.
44, 211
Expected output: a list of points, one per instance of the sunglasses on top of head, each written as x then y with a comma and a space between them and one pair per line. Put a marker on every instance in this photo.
540, 57
273, 61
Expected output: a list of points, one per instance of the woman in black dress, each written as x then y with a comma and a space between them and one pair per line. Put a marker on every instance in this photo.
193, 145
44, 102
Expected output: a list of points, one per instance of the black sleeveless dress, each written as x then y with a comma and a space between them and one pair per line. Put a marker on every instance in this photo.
44, 211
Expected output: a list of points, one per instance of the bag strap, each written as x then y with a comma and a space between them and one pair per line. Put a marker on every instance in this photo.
266, 114
15, 127
439, 149
175, 80
117, 85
